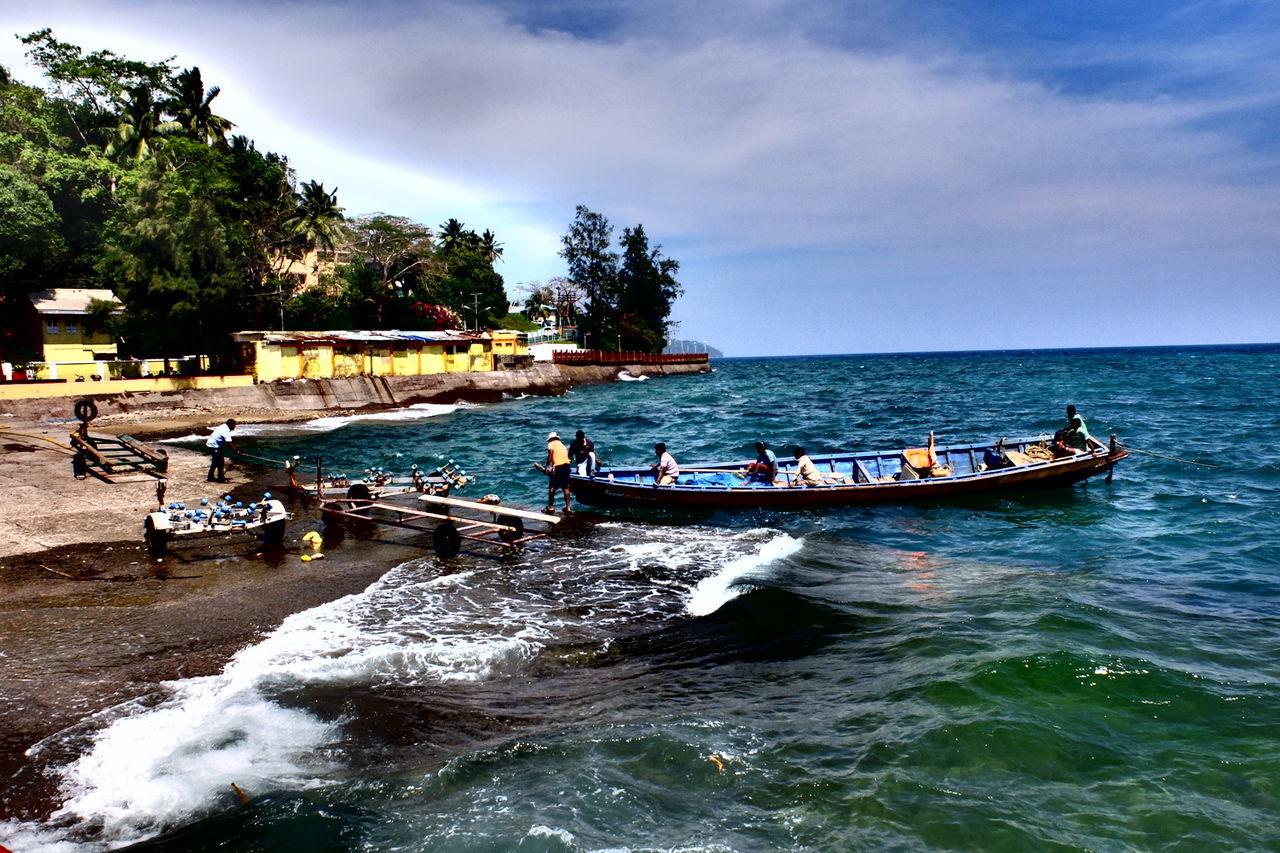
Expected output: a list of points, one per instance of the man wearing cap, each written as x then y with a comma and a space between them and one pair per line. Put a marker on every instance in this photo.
218, 443
558, 471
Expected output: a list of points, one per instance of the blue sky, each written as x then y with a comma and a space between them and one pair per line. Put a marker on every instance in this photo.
833, 176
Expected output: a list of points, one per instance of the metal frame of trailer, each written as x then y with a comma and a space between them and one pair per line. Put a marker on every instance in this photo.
506, 527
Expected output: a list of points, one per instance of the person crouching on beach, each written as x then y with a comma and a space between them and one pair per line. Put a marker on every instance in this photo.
666, 471
557, 470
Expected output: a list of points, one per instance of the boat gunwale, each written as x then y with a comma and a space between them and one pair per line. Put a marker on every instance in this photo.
1096, 455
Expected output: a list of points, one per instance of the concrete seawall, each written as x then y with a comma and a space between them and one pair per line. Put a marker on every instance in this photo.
359, 392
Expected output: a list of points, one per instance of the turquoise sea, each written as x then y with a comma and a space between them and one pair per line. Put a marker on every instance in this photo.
1092, 668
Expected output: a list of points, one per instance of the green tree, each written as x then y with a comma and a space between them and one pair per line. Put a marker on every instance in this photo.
191, 107
593, 268
170, 257
317, 220
490, 248
400, 258
646, 289
141, 126
88, 87
452, 235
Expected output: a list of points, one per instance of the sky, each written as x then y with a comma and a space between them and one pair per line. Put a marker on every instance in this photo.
834, 176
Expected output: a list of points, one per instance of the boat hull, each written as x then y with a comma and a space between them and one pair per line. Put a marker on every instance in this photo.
601, 491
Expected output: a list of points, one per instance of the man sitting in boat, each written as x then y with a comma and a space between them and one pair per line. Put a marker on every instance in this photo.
1074, 437
765, 468
806, 472
666, 471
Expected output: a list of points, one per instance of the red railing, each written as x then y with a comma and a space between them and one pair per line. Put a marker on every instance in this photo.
595, 356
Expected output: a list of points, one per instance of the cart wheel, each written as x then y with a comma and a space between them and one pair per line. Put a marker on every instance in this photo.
511, 536
446, 539
328, 516
273, 533
359, 492
86, 410
157, 540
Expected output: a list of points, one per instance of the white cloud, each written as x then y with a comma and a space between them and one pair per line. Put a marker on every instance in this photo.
929, 175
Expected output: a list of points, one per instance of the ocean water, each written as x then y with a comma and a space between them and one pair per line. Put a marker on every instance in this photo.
1090, 668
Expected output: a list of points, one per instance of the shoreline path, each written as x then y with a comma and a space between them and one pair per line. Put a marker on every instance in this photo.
90, 620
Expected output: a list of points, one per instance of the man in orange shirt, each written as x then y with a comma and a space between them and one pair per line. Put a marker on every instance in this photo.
557, 471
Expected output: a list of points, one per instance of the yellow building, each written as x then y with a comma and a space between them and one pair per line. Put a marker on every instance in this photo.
340, 354
66, 332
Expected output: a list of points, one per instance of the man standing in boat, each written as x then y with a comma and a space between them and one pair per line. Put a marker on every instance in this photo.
583, 453
218, 443
666, 471
557, 470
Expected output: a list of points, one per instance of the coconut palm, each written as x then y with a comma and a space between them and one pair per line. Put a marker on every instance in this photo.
190, 105
316, 223
490, 248
453, 236
140, 126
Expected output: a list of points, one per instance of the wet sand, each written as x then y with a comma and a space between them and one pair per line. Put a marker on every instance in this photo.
89, 619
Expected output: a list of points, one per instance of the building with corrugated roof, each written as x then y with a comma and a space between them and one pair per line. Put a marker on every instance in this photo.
338, 354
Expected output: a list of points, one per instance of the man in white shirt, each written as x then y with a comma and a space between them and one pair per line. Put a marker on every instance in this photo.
218, 443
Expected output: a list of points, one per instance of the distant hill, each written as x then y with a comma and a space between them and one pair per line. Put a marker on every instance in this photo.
679, 346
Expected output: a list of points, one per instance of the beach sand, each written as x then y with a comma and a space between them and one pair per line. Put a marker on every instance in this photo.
89, 619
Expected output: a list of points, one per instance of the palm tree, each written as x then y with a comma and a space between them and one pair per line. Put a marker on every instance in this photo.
140, 126
490, 248
316, 223
190, 105
452, 236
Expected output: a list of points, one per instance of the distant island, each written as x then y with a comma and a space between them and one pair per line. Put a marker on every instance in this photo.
683, 346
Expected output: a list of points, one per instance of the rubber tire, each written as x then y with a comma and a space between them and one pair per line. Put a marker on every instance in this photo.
359, 492
86, 410
446, 540
273, 532
510, 536
157, 540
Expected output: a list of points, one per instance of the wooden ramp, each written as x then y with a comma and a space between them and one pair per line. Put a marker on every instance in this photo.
112, 457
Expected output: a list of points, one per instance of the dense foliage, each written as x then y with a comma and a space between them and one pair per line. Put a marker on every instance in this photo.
120, 175
621, 301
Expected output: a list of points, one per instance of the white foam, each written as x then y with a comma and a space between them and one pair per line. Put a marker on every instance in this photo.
713, 592
416, 412
169, 763
628, 377
151, 768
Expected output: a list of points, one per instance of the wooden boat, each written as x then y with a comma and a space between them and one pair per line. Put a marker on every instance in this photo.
206, 519
889, 476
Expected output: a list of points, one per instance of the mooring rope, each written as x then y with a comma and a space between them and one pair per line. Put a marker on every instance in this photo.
1132, 449
279, 462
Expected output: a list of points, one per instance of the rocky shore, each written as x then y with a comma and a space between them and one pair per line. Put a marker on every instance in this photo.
90, 619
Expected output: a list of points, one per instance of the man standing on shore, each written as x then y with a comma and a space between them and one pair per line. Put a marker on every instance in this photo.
218, 443
557, 470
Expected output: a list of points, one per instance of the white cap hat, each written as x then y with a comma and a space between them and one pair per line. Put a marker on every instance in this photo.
553, 435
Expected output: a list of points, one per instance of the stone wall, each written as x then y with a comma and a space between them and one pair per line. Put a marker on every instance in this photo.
359, 392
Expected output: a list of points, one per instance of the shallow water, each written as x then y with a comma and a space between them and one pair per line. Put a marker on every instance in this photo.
1087, 668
